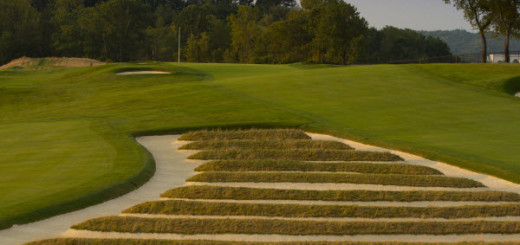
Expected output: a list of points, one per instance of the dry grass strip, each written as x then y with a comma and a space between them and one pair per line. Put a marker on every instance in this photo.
286, 165
376, 179
249, 134
177, 207
296, 154
284, 227
84, 241
267, 144
239, 193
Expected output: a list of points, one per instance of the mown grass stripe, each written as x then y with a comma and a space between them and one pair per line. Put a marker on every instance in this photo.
250, 134
240, 193
266, 144
176, 207
286, 165
258, 226
377, 179
296, 154
86, 241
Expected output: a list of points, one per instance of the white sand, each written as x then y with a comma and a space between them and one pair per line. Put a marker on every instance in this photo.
172, 170
128, 73
287, 238
517, 94
449, 170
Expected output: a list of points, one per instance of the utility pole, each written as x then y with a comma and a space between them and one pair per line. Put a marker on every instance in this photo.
179, 47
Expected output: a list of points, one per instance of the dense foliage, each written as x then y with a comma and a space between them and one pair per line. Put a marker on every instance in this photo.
263, 31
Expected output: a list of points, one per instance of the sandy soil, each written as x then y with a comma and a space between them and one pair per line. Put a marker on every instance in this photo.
449, 170
52, 61
286, 238
127, 73
172, 171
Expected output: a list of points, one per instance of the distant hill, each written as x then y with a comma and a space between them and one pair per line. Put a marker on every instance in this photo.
464, 42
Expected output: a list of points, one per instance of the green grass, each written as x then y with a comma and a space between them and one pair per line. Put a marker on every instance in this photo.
84, 241
241, 193
295, 154
451, 113
285, 165
376, 179
259, 226
247, 134
177, 207
266, 144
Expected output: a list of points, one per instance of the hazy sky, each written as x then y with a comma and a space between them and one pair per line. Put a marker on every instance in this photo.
426, 15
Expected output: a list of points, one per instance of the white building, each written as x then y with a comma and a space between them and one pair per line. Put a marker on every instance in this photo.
500, 57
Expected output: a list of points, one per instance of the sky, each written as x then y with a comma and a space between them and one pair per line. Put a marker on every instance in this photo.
427, 15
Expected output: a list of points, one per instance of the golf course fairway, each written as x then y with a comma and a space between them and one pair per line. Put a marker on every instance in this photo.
67, 133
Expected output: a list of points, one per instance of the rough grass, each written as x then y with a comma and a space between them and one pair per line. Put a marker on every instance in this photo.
287, 165
241, 193
249, 134
84, 241
260, 226
177, 207
376, 179
295, 154
267, 144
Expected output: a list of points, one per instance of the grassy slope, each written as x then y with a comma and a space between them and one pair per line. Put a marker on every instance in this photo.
62, 113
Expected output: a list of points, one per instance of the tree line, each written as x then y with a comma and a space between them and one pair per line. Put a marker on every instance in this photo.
240, 31
502, 17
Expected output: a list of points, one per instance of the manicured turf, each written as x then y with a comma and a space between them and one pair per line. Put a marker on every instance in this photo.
440, 111
296, 154
259, 226
240, 193
376, 179
83, 241
266, 144
285, 165
177, 207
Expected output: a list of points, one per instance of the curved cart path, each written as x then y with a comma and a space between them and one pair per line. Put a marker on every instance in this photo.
172, 171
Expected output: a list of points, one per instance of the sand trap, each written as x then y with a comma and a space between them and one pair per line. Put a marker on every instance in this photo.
287, 238
172, 171
129, 73
517, 94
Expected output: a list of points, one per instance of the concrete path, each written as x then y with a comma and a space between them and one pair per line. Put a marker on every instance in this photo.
172, 171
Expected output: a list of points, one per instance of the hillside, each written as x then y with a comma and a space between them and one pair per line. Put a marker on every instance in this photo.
464, 42
68, 133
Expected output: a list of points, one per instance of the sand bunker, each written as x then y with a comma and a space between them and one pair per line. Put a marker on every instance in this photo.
517, 94
51, 62
127, 73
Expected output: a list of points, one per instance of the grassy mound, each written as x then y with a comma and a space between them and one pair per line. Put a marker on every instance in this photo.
258, 226
84, 241
249, 134
266, 144
296, 154
176, 207
376, 179
287, 165
240, 193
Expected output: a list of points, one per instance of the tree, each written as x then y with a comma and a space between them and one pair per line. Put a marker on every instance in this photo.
506, 20
479, 15
19, 30
67, 39
198, 48
244, 33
